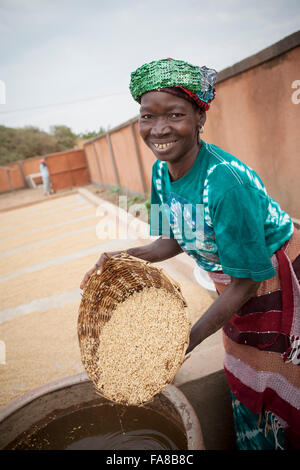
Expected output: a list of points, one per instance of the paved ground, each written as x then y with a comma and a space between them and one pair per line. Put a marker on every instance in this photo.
45, 249
26, 197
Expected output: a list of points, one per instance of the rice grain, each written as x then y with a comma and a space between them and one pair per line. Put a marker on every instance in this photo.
142, 346
133, 330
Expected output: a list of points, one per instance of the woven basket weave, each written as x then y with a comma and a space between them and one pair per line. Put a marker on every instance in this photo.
122, 276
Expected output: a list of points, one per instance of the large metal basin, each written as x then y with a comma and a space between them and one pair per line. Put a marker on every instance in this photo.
39, 407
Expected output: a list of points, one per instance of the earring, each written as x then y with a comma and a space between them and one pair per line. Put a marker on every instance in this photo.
200, 131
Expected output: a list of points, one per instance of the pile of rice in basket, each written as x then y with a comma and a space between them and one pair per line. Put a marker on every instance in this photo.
133, 330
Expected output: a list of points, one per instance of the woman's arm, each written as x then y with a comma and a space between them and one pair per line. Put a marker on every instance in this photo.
224, 307
159, 250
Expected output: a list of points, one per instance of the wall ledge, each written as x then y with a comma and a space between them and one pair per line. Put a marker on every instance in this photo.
275, 50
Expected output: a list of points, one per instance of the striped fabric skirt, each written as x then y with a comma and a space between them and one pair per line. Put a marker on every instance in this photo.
262, 352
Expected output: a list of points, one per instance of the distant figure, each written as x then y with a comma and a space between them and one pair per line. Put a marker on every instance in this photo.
45, 176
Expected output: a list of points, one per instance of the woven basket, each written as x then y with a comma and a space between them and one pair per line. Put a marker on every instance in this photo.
122, 276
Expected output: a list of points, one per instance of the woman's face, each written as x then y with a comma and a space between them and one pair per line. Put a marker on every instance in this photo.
169, 125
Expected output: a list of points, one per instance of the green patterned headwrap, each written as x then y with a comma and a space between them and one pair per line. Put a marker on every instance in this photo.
197, 82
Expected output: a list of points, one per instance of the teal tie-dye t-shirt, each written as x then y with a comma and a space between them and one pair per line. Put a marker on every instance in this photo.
221, 214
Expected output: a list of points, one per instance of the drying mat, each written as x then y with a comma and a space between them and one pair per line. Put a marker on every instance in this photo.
133, 330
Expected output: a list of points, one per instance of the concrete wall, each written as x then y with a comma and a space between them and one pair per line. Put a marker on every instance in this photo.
66, 169
253, 117
119, 157
11, 177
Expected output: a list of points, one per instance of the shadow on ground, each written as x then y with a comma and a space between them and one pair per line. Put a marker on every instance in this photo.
210, 397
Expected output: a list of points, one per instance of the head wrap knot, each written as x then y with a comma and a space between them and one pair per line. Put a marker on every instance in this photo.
197, 82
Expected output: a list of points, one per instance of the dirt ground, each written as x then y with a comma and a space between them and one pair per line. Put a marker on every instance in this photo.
25, 197
45, 249
113, 195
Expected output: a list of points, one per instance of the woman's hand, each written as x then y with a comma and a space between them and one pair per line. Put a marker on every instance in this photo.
222, 309
98, 267
87, 276
160, 250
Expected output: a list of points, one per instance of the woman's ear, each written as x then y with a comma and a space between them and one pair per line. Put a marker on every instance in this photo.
202, 118
201, 121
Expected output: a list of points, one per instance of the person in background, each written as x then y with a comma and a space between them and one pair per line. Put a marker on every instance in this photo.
46, 177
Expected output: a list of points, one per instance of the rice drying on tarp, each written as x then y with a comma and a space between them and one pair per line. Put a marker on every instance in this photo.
133, 330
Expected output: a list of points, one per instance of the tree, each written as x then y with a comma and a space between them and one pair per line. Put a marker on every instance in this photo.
17, 144
64, 137
30, 141
90, 134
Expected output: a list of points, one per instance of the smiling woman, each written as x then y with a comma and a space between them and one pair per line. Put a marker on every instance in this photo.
170, 126
209, 204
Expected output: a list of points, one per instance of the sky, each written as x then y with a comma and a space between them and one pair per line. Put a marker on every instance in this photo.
68, 62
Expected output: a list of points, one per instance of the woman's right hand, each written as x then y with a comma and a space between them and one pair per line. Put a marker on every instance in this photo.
159, 250
98, 267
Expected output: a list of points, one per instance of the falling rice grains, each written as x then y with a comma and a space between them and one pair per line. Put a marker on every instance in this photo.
142, 346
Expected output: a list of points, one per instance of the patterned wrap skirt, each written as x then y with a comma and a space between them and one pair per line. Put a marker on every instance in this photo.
262, 353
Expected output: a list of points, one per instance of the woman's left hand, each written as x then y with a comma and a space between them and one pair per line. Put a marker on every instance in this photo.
222, 309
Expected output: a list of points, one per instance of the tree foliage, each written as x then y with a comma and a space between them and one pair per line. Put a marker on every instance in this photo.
64, 137
90, 134
18, 144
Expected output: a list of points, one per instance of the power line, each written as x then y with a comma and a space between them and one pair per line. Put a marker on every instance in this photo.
51, 105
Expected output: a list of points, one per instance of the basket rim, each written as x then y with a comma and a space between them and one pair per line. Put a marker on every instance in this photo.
85, 330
